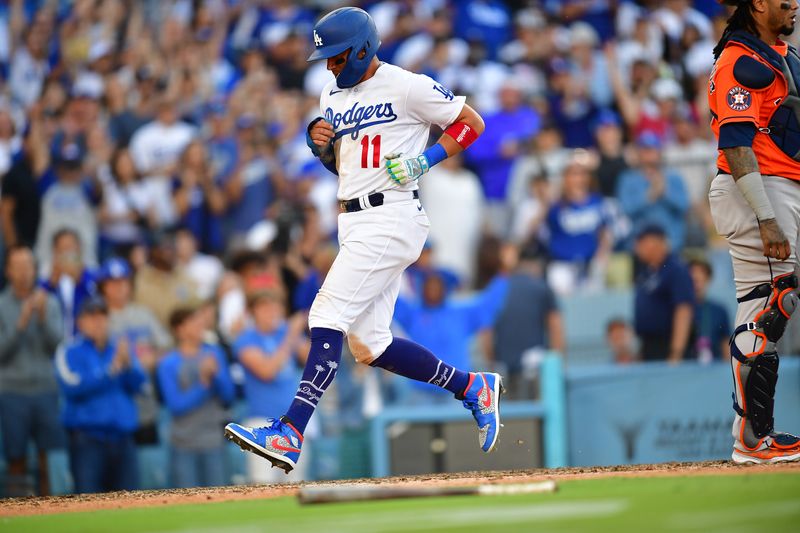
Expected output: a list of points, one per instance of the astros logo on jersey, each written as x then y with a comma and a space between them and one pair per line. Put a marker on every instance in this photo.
739, 99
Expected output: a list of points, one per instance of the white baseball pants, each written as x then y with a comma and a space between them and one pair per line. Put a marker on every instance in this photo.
735, 220
375, 246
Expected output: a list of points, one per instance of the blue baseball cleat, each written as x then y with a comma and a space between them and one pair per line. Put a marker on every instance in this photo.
278, 442
482, 397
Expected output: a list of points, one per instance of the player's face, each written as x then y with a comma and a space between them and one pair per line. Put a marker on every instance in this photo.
337, 63
781, 15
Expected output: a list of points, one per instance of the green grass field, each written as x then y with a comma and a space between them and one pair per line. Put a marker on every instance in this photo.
729, 503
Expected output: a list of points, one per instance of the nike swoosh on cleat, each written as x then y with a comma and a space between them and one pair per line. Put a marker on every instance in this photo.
488, 401
419, 208
276, 443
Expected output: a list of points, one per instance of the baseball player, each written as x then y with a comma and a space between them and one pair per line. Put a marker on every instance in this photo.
755, 108
373, 133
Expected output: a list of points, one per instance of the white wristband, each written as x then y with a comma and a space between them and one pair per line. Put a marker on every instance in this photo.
752, 187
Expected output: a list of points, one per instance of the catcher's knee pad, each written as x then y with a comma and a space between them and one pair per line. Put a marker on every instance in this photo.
757, 372
771, 322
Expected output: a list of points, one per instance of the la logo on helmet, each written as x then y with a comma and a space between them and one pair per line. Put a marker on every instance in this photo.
317, 39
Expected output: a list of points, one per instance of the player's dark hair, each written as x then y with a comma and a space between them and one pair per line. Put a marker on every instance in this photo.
741, 19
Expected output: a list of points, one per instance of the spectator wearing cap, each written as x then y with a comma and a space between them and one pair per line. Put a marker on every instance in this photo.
147, 338
577, 228
199, 199
270, 352
664, 301
68, 278
69, 203
20, 204
588, 63
159, 285
655, 115
529, 319
608, 135
650, 194
196, 388
30, 330
711, 324
493, 155
99, 379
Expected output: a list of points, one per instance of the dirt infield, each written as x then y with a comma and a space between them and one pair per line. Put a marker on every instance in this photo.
151, 498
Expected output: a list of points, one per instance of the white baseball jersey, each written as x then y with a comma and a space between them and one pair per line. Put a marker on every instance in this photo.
389, 113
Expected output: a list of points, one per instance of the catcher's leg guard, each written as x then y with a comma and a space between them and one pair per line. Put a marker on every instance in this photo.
756, 373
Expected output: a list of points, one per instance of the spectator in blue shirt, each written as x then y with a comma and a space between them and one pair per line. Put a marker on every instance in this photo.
248, 188
577, 230
664, 302
99, 379
486, 21
493, 155
446, 325
712, 327
270, 352
652, 195
196, 388
598, 13
199, 199
571, 107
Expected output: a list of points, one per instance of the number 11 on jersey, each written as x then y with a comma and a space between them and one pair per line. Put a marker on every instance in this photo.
376, 151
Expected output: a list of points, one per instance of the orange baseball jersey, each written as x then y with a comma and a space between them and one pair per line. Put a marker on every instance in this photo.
732, 100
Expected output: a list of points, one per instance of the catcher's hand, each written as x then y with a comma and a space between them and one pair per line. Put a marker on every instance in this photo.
402, 171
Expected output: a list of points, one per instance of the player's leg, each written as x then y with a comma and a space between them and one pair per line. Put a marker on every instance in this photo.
372, 343
767, 294
373, 243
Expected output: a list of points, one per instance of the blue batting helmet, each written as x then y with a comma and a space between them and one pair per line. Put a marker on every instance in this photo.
342, 29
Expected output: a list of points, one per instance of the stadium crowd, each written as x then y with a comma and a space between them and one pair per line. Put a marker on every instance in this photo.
165, 227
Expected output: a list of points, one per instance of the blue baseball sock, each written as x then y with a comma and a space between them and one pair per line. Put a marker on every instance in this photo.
410, 360
323, 360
